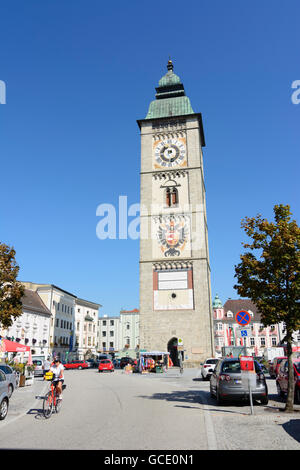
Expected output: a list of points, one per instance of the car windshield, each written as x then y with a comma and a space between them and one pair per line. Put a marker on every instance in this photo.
37, 363
105, 362
211, 361
234, 367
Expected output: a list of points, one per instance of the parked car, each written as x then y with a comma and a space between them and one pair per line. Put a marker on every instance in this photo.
76, 365
11, 378
226, 382
106, 365
274, 366
4, 398
38, 367
125, 361
282, 379
208, 367
92, 363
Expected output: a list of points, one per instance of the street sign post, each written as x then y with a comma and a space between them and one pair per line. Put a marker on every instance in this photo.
248, 376
243, 318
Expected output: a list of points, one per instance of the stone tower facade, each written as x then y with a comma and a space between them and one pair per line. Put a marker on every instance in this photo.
175, 294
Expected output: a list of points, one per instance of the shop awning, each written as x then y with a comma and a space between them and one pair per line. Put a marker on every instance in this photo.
12, 346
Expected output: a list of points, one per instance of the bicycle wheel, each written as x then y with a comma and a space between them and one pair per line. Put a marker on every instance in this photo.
48, 405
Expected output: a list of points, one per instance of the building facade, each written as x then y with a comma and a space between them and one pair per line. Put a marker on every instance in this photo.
65, 319
119, 335
109, 334
32, 328
175, 295
226, 327
86, 328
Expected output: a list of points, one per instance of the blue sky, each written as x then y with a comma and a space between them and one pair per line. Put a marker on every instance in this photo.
80, 73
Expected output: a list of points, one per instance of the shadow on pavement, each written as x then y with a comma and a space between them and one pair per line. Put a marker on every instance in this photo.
292, 427
194, 397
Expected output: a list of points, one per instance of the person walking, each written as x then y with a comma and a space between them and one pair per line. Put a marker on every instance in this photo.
47, 366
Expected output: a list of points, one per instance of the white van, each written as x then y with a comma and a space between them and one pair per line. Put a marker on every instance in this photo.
38, 362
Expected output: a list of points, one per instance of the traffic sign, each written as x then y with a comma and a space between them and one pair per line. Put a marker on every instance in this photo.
243, 318
243, 332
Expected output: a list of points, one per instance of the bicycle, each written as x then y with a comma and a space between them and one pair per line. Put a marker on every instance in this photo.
51, 401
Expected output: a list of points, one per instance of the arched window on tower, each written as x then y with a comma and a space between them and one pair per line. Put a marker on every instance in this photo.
171, 197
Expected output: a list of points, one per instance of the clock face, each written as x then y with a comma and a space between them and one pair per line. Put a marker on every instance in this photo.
169, 153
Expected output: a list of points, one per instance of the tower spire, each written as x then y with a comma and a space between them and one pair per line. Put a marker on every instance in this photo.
170, 65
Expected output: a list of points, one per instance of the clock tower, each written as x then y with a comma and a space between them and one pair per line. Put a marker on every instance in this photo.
175, 294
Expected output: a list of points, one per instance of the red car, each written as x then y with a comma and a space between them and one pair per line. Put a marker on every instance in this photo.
106, 365
282, 379
274, 367
76, 365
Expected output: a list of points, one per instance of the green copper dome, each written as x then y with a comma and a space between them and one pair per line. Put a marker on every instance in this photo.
170, 97
169, 79
217, 302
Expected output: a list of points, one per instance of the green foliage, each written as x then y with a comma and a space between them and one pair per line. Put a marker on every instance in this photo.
269, 273
11, 291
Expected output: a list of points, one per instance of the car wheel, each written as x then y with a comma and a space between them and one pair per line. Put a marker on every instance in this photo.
3, 408
79, 368
297, 395
279, 391
10, 391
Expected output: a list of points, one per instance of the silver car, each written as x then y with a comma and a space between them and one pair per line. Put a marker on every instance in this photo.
226, 382
11, 378
4, 399
38, 368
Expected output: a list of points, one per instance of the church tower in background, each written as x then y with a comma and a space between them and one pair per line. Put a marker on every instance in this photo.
175, 293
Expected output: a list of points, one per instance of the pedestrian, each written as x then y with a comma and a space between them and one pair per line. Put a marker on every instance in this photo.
47, 365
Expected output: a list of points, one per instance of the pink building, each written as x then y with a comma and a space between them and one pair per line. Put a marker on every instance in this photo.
225, 327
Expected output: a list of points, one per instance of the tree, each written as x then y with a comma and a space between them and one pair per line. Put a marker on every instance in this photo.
11, 291
268, 274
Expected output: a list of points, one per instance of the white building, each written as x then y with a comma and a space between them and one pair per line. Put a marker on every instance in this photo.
109, 334
32, 328
62, 306
129, 329
119, 334
86, 328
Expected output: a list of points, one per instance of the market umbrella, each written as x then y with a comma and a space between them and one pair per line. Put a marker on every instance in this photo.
13, 346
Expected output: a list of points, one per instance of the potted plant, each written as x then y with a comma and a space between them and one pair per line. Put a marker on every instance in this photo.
20, 369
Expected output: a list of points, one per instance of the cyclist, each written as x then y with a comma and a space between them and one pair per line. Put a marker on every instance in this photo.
58, 376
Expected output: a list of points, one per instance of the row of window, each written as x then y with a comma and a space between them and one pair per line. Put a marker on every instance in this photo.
91, 327
220, 326
63, 308
253, 341
63, 324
